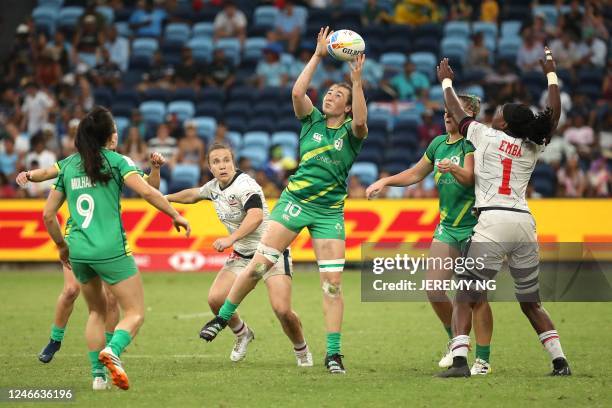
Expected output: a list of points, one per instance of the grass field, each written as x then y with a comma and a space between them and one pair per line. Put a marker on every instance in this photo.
391, 351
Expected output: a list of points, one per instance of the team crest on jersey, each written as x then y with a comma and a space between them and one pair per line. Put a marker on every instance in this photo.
232, 200
214, 196
317, 137
338, 144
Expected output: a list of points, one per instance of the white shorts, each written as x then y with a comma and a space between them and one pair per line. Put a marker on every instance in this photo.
236, 263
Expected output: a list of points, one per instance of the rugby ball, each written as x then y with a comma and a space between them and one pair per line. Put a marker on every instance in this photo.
345, 45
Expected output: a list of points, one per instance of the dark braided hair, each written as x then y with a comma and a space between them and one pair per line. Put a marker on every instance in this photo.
92, 135
523, 124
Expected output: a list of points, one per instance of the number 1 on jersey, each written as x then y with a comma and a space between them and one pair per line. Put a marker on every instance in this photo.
85, 212
505, 185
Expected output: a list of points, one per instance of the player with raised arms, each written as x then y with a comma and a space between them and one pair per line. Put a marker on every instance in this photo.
96, 249
241, 206
314, 198
451, 158
506, 154
71, 289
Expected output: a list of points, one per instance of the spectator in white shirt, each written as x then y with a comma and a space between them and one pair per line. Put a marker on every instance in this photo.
36, 107
287, 27
40, 157
230, 22
530, 53
164, 144
118, 48
593, 50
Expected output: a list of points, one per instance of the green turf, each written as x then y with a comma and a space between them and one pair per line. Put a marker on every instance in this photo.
391, 352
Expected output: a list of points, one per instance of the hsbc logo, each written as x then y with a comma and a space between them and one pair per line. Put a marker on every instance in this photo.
187, 261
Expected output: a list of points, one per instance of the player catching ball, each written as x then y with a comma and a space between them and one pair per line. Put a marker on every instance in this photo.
70, 291
314, 199
241, 206
506, 154
451, 158
96, 249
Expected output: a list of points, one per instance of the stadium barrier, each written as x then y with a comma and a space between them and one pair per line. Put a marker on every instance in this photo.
157, 246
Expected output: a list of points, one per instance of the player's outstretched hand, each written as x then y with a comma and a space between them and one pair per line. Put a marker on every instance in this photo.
181, 222
356, 67
157, 160
445, 166
444, 70
324, 34
548, 65
22, 179
375, 188
64, 254
223, 243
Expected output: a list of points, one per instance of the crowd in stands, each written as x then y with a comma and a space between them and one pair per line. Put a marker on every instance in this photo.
181, 74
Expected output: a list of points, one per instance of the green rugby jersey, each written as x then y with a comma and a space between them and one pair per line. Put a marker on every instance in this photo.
94, 232
326, 156
456, 200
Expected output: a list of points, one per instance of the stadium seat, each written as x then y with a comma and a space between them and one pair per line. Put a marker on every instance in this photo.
237, 108
144, 47
508, 47
122, 108
265, 109
424, 62
153, 112
409, 114
51, 3
268, 95
203, 29
211, 95
185, 94
253, 47
487, 29
406, 140
395, 45
177, 32
45, 16
107, 12
393, 60
372, 155
69, 16
265, 16
241, 94
155, 94
212, 109
285, 139
593, 92
474, 90
406, 125
234, 139
429, 30
122, 124
127, 96
236, 123
258, 157
184, 176
231, 48
436, 94
103, 96
399, 155
301, 13
261, 124
590, 76
454, 46
535, 83
184, 110
365, 171
457, 29
256, 139
549, 11
206, 127
511, 28
201, 48
426, 44
123, 29
290, 124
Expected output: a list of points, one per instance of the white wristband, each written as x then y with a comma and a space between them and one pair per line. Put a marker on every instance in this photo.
552, 79
447, 83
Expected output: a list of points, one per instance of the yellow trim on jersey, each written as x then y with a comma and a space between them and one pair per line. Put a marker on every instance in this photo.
145, 177
298, 185
443, 214
56, 165
128, 250
339, 126
129, 173
464, 210
338, 204
316, 152
427, 158
450, 143
468, 153
437, 177
320, 193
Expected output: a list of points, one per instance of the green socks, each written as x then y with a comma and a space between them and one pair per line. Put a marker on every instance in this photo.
57, 333
449, 331
120, 341
483, 352
333, 343
97, 368
227, 310
108, 336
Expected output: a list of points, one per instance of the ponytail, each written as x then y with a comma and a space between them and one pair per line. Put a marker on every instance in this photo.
523, 124
92, 135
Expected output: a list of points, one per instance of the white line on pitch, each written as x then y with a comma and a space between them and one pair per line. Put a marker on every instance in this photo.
125, 356
193, 315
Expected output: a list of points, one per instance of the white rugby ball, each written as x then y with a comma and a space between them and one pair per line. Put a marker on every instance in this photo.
345, 45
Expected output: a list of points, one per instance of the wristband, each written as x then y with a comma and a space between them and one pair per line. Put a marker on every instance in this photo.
447, 83
552, 79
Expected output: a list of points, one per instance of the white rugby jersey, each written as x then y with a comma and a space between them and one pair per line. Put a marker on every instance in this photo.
229, 204
502, 165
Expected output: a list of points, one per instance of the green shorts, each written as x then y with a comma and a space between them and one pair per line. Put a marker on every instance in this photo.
322, 222
454, 236
110, 272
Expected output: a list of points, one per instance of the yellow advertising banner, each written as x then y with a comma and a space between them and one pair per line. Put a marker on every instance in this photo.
23, 236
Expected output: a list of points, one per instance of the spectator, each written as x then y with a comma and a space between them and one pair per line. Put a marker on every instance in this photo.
355, 188
40, 157
571, 22
415, 12
287, 27
557, 151
68, 146
221, 134
137, 121
579, 133
489, 11
605, 135
147, 20
599, 178
9, 159
164, 144
478, 55
244, 164
90, 12
428, 129
565, 51
86, 42
270, 72
566, 103
118, 47
230, 22
9, 104
36, 108
594, 19
270, 190
187, 74
390, 191
531, 51
542, 30
62, 49
274, 169
424, 189
409, 82
503, 75
460, 10
572, 181
38, 190
592, 50
191, 149
6, 188
106, 73
135, 148
220, 73
373, 13
48, 70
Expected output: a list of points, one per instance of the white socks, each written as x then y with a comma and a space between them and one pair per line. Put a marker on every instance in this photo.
460, 346
552, 344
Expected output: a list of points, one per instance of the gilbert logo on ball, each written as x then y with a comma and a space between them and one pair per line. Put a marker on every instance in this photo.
345, 45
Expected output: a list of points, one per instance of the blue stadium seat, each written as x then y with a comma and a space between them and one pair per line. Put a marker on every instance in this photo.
424, 62
69, 16
549, 11
258, 157
393, 60
593, 92
177, 32
206, 127
454, 46
511, 28
153, 112
265, 16
457, 29
301, 13
184, 110
231, 48
212, 95
184, 176
203, 29
393, 45
103, 96
406, 125
399, 155
238, 108
474, 90
155, 94
212, 109
45, 16
426, 44
122, 108
409, 114
535, 83
201, 48
253, 47
51, 3
290, 124
127, 96
380, 120
123, 28
234, 139
285, 139
241, 94
508, 47
590, 76
236, 123
269, 95
261, 124
185, 94
256, 139
405, 140
372, 155
487, 29
107, 12
365, 171
429, 30
144, 47
122, 124
436, 94
265, 109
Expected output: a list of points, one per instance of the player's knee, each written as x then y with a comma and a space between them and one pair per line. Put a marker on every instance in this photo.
215, 302
436, 296
282, 312
332, 288
139, 319
258, 270
530, 308
71, 292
